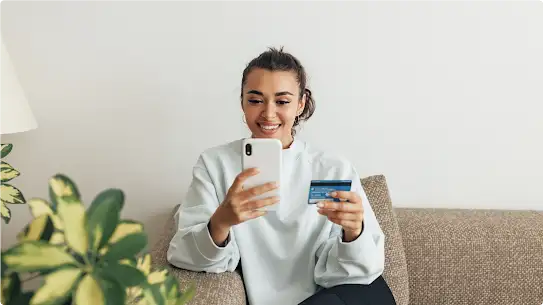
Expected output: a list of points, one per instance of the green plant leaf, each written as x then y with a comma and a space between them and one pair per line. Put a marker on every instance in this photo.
62, 187
7, 172
144, 263
89, 292
22, 299
40, 207
128, 247
57, 286
71, 212
171, 289
6, 149
41, 228
34, 256
158, 276
6, 213
103, 217
187, 295
11, 194
11, 287
124, 228
114, 293
127, 276
152, 295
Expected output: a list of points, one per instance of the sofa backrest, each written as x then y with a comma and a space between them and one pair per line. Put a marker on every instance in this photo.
475, 257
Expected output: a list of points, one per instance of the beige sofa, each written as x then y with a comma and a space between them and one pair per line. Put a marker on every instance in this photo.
433, 256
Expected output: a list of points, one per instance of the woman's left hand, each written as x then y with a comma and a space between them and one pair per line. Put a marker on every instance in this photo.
348, 213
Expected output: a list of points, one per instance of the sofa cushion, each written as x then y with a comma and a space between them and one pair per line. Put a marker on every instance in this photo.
395, 273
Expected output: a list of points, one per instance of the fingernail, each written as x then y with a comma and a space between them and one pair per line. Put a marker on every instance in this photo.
333, 194
320, 205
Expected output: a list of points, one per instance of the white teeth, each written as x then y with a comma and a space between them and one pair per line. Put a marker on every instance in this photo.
269, 127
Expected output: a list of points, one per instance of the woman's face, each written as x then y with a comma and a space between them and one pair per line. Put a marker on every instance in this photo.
271, 103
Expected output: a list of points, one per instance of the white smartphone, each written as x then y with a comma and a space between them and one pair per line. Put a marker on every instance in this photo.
266, 155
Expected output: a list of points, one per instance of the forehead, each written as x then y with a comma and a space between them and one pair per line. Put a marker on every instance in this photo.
269, 82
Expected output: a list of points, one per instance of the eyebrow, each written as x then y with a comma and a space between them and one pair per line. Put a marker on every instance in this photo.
276, 94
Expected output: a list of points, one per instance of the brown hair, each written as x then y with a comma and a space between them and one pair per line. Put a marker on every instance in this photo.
277, 60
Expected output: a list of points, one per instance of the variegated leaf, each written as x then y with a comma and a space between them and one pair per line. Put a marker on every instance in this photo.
124, 228
7, 172
72, 215
57, 238
60, 186
187, 295
11, 287
144, 264
114, 293
127, 276
127, 247
57, 286
129, 262
40, 207
6, 149
6, 213
171, 290
71, 212
89, 292
103, 217
152, 295
40, 228
34, 256
11, 194
157, 277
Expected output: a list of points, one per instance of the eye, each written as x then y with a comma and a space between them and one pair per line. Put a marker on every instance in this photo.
254, 101
283, 102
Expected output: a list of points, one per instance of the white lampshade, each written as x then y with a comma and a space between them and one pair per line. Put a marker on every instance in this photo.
16, 115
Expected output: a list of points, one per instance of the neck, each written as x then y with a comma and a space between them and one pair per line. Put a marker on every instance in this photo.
287, 142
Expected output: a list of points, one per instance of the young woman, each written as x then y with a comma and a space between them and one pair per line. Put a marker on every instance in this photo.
300, 254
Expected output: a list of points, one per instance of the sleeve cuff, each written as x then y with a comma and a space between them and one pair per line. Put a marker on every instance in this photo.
351, 251
207, 247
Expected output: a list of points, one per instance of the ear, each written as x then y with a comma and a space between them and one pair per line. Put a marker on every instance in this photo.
301, 104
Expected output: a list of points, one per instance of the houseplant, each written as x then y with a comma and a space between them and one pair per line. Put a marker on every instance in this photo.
9, 193
84, 256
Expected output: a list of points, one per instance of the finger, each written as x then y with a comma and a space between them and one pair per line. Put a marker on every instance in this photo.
352, 197
340, 206
348, 225
237, 185
257, 204
252, 215
342, 215
257, 190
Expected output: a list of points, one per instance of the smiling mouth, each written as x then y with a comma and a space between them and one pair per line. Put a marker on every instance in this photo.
268, 128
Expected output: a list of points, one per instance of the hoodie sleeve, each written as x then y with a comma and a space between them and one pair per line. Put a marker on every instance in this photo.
192, 247
360, 261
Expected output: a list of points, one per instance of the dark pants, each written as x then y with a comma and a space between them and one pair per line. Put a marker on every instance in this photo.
376, 293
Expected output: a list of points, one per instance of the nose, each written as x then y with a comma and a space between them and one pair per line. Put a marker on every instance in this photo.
270, 111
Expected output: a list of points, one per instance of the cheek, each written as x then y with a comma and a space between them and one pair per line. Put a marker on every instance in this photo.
288, 115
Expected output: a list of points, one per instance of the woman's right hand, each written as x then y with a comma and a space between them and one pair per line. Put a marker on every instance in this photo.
239, 205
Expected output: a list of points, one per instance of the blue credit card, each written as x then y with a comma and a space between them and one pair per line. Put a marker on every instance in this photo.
320, 189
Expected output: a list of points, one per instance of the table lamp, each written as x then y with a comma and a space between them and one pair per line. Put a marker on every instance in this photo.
16, 116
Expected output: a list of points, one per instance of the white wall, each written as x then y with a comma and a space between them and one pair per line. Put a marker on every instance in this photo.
443, 98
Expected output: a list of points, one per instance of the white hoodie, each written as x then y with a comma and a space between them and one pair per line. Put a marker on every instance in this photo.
287, 255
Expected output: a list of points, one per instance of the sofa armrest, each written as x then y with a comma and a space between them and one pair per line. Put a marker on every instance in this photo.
473, 257
225, 288
212, 289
